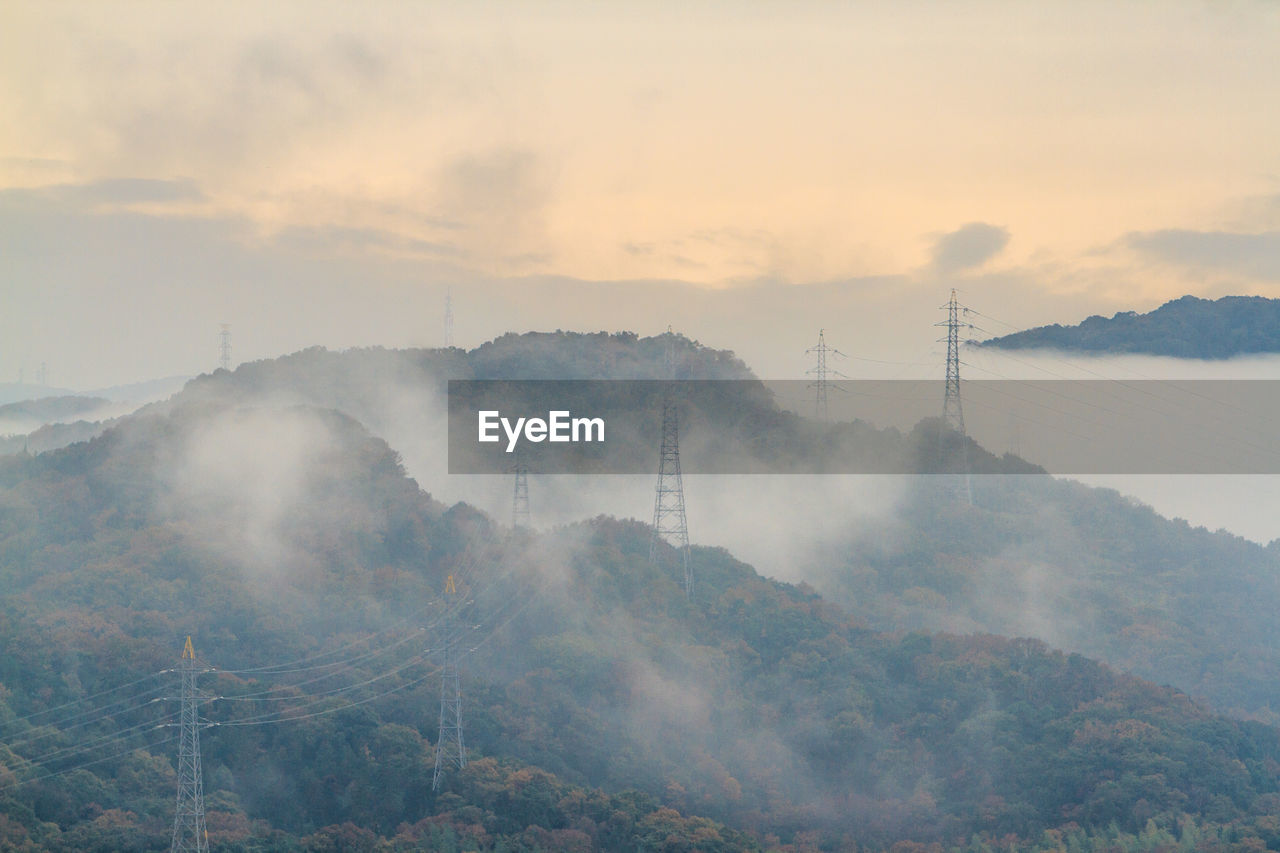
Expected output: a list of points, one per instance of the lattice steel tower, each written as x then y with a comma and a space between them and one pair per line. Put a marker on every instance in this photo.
669, 521
821, 372
952, 410
448, 317
449, 747
189, 831
520, 500
224, 347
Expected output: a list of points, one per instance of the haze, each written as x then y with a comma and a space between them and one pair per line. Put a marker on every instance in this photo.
321, 173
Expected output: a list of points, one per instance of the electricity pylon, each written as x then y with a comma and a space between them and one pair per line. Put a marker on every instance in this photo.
952, 410
520, 500
189, 831
669, 521
224, 347
449, 747
448, 317
821, 384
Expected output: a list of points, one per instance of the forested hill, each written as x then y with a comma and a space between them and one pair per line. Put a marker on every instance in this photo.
365, 382
604, 711
1080, 568
1188, 327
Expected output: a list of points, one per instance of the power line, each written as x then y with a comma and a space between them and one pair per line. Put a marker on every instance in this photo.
952, 410
821, 371
86, 718
65, 770
450, 749
29, 717
669, 520
189, 833
448, 317
520, 498
224, 347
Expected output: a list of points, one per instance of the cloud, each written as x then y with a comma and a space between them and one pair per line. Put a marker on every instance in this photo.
113, 192
969, 246
499, 197
319, 240
40, 164
1253, 254
134, 191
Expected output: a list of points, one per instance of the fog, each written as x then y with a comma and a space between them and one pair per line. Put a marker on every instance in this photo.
277, 476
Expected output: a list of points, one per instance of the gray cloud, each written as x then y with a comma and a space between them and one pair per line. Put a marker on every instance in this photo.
499, 197
328, 239
40, 163
135, 191
495, 185
1252, 254
116, 191
969, 246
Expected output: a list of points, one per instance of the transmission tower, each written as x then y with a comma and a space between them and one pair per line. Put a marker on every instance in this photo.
189, 832
448, 317
42, 376
952, 411
224, 347
669, 521
449, 747
821, 384
520, 500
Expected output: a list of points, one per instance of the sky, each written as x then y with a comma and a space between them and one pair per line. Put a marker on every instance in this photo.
749, 172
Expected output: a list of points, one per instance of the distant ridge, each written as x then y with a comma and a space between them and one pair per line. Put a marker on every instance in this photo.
135, 392
1189, 327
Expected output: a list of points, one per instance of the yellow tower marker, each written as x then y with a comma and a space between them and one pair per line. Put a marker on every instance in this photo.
188, 652
449, 588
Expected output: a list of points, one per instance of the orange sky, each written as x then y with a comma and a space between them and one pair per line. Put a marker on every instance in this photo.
738, 140
718, 144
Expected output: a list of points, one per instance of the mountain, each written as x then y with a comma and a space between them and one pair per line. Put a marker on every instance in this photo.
290, 544
43, 419
16, 392
604, 710
1188, 327
28, 415
142, 392
1084, 569
134, 392
1080, 568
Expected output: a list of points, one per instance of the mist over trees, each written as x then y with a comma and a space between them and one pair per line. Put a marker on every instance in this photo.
282, 515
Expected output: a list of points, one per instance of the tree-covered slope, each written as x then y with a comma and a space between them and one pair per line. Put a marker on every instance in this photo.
1080, 568
311, 572
1084, 569
1188, 327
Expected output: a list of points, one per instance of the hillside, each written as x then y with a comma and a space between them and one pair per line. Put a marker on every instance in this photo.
1083, 569
604, 711
1188, 327
1080, 568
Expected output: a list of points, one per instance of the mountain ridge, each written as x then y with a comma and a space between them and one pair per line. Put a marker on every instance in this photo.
1187, 327
275, 531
